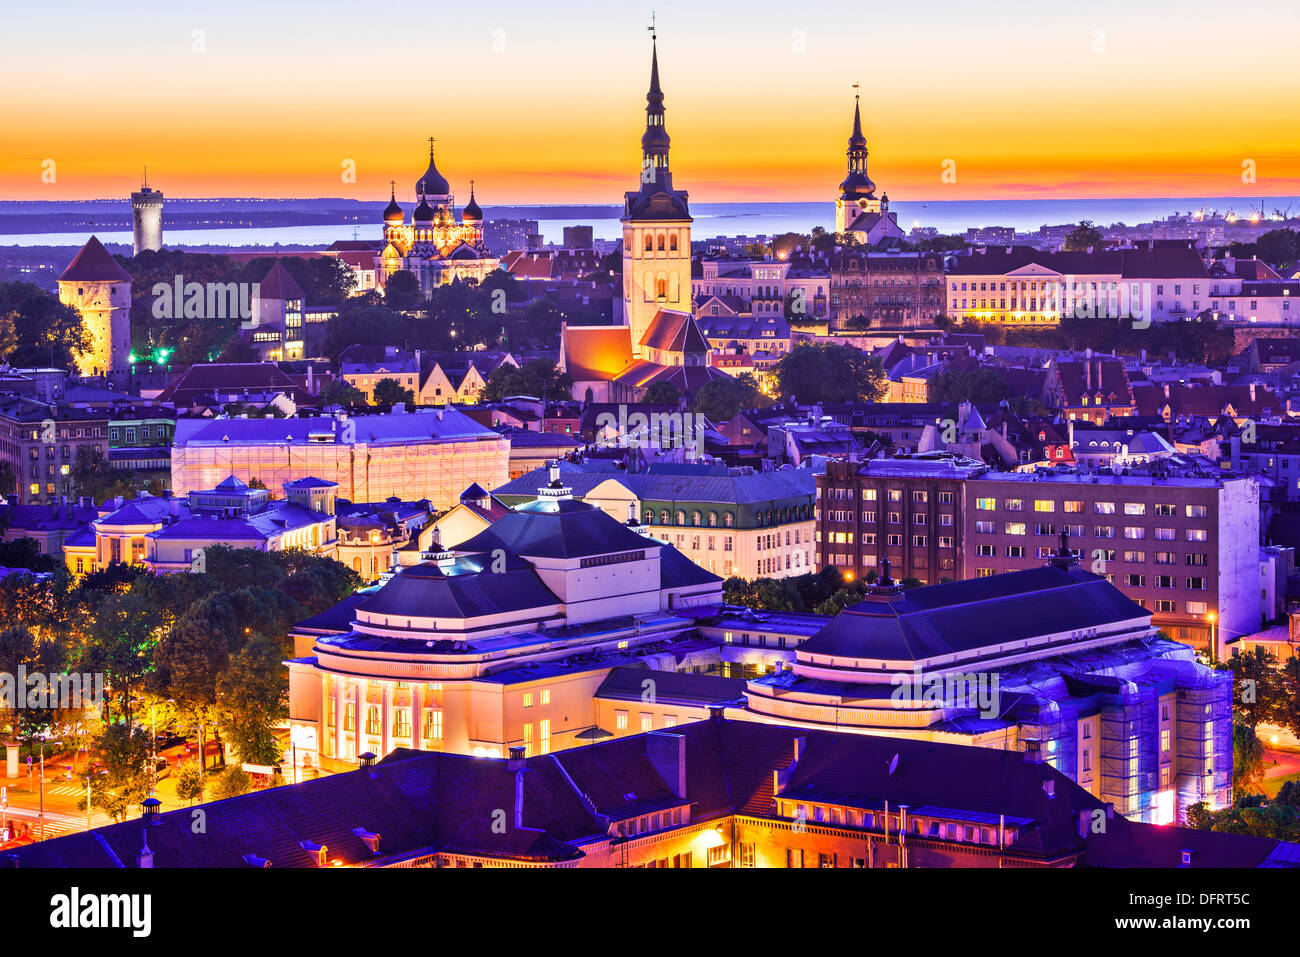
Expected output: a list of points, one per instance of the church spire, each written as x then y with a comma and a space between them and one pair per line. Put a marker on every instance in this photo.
655, 141
857, 185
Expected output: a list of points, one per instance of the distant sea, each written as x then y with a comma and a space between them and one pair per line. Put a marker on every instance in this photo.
730, 219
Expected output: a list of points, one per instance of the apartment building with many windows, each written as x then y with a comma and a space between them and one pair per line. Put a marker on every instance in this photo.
909, 509
1181, 543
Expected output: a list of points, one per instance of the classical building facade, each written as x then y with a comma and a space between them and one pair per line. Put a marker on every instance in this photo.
499, 642
887, 289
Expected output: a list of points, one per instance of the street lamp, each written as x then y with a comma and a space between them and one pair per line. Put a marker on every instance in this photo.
1214, 636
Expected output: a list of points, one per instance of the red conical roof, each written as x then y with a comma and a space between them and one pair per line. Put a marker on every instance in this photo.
278, 284
94, 263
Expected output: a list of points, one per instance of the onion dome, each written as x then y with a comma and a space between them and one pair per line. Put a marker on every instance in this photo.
393, 214
857, 186
423, 215
432, 182
472, 213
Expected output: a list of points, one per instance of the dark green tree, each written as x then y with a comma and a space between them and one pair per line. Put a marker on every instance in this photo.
826, 372
389, 392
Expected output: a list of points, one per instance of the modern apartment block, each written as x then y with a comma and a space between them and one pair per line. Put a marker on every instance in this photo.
1181, 543
909, 509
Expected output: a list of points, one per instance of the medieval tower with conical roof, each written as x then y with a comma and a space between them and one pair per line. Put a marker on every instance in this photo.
100, 290
656, 227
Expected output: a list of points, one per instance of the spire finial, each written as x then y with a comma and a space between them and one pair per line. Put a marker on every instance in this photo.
146, 177
653, 33
392, 184
430, 147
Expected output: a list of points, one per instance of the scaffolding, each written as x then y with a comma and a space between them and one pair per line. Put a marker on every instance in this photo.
1129, 756
1204, 735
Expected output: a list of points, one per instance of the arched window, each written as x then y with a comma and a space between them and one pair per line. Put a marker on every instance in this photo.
681, 518
728, 519
356, 565
713, 520
650, 516
672, 242
695, 519
649, 243
663, 517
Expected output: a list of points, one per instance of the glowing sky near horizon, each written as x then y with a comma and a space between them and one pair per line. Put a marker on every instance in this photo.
1029, 100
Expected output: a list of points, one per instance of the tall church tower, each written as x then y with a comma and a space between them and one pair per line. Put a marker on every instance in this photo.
656, 227
857, 192
100, 290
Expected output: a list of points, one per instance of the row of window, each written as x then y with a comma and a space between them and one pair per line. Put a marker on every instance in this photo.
1098, 508
894, 494
1131, 532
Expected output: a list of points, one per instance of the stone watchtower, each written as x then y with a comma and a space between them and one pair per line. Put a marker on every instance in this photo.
100, 290
146, 218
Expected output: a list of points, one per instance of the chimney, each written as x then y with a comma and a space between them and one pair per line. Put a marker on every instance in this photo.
667, 755
717, 712
516, 761
152, 808
1085, 822
252, 860
144, 856
1033, 754
1252, 392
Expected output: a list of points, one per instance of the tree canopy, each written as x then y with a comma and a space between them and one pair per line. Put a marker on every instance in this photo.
826, 372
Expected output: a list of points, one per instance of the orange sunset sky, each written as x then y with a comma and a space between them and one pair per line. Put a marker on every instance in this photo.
543, 103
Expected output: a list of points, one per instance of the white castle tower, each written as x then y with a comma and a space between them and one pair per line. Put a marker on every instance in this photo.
146, 217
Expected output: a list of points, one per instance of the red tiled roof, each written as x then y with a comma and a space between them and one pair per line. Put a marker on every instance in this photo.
278, 284
673, 331
94, 263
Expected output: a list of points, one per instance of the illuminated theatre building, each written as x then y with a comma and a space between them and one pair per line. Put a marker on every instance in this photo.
434, 246
502, 641
1053, 660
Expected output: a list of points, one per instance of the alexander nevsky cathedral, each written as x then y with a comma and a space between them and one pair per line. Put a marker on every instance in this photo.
434, 245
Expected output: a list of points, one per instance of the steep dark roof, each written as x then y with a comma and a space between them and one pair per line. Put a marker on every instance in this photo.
278, 284
671, 687
469, 589
94, 263
421, 803
557, 529
958, 616
673, 331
